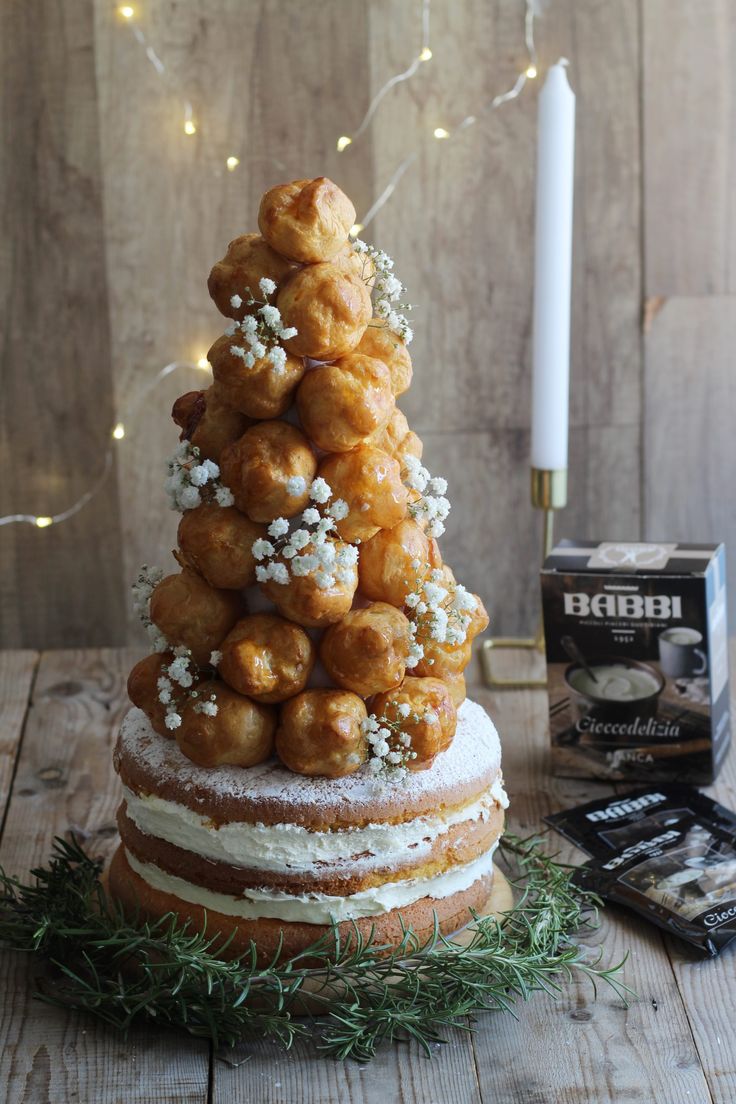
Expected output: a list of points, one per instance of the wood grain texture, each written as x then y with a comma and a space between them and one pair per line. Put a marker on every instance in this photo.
65, 780
17, 672
59, 585
689, 101
578, 1048
688, 485
707, 985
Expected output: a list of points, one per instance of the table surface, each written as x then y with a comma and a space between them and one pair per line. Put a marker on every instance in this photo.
675, 1042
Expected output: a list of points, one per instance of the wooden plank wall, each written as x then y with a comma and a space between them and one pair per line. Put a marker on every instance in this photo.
112, 218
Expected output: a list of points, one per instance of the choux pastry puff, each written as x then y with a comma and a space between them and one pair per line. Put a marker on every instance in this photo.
248, 260
432, 719
263, 391
240, 733
267, 658
216, 541
143, 689
366, 651
328, 306
191, 613
369, 481
320, 733
385, 564
342, 404
379, 341
306, 220
269, 470
207, 422
307, 603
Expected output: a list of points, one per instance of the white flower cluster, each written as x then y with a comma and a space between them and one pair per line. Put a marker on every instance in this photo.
324, 560
142, 589
432, 507
389, 746
437, 613
262, 331
388, 290
192, 481
180, 676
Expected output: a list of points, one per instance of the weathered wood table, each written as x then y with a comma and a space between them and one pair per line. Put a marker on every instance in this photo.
676, 1042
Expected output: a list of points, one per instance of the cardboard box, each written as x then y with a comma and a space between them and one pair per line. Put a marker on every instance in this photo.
649, 620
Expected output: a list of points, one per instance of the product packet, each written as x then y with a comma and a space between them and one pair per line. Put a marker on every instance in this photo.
668, 853
610, 823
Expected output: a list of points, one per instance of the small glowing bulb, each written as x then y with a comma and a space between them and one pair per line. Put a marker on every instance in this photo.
440, 132
119, 431
343, 142
232, 163
531, 72
355, 229
126, 11
203, 363
43, 522
189, 127
425, 54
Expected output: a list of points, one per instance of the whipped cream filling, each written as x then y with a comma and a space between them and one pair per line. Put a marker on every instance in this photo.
276, 847
318, 908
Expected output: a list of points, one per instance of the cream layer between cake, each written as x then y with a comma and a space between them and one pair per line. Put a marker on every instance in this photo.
277, 847
318, 908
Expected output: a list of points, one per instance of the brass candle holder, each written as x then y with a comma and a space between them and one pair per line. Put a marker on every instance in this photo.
548, 493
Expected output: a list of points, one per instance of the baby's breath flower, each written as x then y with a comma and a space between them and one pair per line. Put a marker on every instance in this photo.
320, 490
296, 485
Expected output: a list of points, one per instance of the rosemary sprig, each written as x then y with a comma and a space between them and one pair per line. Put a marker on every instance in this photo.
123, 970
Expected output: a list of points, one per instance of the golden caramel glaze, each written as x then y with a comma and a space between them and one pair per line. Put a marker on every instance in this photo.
143, 689
397, 439
304, 601
248, 260
306, 220
320, 733
430, 700
259, 466
379, 341
366, 651
460, 844
277, 937
240, 733
263, 391
328, 306
370, 482
207, 422
216, 542
191, 613
342, 404
385, 565
267, 658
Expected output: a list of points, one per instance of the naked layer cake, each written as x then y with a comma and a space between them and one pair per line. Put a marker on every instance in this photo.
300, 751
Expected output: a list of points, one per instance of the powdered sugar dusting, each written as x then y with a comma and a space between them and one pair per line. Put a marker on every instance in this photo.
469, 765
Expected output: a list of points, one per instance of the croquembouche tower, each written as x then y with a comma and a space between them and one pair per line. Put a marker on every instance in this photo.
301, 751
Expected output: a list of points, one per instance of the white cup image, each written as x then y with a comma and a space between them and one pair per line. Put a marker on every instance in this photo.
679, 654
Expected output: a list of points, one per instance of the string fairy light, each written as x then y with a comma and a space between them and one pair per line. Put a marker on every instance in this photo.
117, 433
440, 133
425, 54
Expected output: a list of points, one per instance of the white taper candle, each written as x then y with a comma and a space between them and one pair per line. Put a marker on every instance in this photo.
553, 271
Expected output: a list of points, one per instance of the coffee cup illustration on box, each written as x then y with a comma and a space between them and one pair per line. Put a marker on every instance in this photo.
679, 654
615, 686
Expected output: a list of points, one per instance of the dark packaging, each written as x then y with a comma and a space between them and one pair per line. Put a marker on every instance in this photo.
637, 660
611, 823
683, 879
